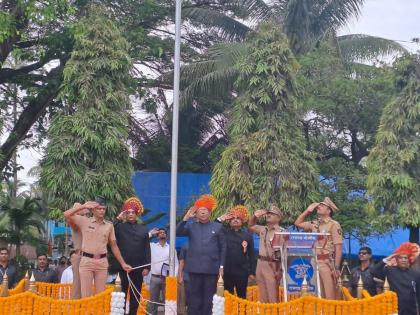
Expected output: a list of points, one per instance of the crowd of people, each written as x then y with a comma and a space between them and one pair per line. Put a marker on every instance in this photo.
217, 248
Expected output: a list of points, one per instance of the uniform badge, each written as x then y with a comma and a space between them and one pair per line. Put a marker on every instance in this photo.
244, 245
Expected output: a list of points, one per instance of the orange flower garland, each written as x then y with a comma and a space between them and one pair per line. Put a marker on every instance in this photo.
382, 304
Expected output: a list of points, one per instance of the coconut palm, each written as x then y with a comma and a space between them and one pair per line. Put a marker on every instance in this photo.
21, 220
305, 23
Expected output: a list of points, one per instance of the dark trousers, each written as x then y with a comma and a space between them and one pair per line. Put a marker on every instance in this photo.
202, 287
137, 279
187, 292
238, 282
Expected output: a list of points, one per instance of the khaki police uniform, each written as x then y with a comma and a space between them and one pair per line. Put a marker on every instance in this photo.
94, 263
326, 253
267, 266
76, 235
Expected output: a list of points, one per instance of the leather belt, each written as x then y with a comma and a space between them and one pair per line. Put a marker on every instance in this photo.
323, 256
158, 276
265, 258
97, 256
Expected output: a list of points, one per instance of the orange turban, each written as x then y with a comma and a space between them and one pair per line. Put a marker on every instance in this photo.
133, 203
206, 201
412, 250
240, 212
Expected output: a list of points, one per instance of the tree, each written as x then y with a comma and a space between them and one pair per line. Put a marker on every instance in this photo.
200, 129
394, 161
21, 220
266, 160
36, 42
87, 154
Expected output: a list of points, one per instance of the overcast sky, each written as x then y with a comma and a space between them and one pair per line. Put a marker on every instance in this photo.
392, 19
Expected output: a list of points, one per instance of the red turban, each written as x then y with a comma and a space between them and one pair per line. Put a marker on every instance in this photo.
206, 201
412, 250
133, 203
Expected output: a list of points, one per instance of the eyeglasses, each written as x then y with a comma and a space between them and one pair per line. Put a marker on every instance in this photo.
363, 253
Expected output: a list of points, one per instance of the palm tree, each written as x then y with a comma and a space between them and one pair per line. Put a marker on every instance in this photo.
21, 220
305, 22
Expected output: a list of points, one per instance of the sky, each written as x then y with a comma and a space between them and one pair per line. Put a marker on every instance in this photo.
391, 19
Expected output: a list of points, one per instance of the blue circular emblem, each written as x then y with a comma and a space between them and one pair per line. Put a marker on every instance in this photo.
299, 268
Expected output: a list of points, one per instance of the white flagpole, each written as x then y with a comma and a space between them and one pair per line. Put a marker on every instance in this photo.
175, 121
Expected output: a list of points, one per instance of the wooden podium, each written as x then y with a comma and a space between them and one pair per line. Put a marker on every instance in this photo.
298, 254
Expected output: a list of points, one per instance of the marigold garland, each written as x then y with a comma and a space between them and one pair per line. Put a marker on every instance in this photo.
30, 303
382, 304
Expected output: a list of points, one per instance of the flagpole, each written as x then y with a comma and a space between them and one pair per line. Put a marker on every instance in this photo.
175, 122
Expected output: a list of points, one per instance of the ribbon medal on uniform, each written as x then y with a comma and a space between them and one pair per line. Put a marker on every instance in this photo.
244, 245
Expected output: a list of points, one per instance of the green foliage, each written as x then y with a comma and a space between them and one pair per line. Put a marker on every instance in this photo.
344, 103
361, 47
87, 155
394, 162
21, 220
266, 161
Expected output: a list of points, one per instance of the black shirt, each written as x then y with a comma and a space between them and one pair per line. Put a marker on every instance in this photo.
133, 242
11, 275
47, 275
406, 283
367, 278
239, 261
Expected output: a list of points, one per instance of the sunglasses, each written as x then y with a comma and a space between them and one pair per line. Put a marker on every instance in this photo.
364, 253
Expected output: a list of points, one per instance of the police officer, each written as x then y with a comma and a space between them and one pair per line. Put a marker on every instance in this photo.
76, 236
329, 249
206, 254
240, 255
268, 267
96, 234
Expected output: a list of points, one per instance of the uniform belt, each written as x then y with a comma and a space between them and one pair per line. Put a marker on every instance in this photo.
158, 276
97, 256
323, 256
265, 258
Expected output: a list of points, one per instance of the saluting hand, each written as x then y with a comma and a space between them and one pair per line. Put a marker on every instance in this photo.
90, 205
224, 217
190, 214
312, 207
154, 231
259, 213
122, 216
390, 261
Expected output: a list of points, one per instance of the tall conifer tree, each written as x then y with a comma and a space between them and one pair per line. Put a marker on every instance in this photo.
266, 160
87, 153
